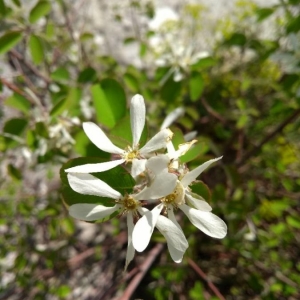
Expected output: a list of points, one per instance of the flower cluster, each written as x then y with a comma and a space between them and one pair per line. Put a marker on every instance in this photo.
161, 181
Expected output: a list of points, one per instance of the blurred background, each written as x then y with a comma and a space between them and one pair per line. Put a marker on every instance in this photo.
234, 66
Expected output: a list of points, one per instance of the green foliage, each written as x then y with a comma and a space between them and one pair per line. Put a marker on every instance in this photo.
110, 102
8, 40
41, 9
243, 101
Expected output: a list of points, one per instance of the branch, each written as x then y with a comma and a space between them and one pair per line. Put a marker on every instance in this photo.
33, 69
212, 112
205, 278
277, 130
143, 270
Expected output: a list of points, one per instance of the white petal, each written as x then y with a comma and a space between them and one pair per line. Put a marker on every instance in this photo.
171, 117
90, 185
158, 164
171, 149
144, 227
137, 118
182, 149
197, 203
99, 138
163, 185
207, 222
190, 135
91, 212
130, 248
159, 141
172, 217
192, 175
176, 241
94, 168
138, 166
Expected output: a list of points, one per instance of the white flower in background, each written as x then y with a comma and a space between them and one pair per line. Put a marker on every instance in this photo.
163, 183
179, 58
172, 117
133, 153
198, 211
290, 58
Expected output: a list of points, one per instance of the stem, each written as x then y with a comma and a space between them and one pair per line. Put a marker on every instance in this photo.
143, 270
205, 277
277, 130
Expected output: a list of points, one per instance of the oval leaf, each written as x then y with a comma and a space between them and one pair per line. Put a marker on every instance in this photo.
9, 40
41, 9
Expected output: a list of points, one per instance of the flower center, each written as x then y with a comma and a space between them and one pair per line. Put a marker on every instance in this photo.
130, 154
129, 204
176, 198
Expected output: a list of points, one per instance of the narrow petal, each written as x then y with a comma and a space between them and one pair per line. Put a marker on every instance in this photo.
176, 241
192, 175
172, 116
163, 185
171, 149
172, 217
190, 135
138, 166
197, 203
207, 222
94, 168
159, 141
182, 149
130, 248
137, 118
99, 138
91, 212
90, 185
144, 227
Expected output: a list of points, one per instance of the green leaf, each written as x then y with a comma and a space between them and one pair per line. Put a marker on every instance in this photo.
132, 82
14, 127
293, 221
14, 172
204, 63
201, 189
42, 8
60, 74
18, 102
9, 40
41, 129
121, 134
36, 49
109, 101
237, 39
196, 84
2, 8
264, 13
17, 2
293, 25
70, 103
87, 75
170, 91
194, 151
59, 107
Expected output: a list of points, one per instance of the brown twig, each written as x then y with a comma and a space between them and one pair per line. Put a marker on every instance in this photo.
143, 270
212, 112
32, 68
277, 130
204, 277
16, 89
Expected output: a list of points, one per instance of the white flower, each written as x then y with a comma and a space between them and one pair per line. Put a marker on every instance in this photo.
133, 153
197, 210
172, 116
163, 183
